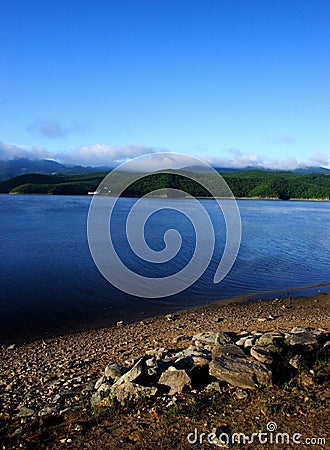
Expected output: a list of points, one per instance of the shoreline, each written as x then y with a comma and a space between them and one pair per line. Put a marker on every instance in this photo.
24, 337
179, 198
241, 304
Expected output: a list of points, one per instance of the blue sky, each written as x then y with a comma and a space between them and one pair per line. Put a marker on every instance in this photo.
236, 82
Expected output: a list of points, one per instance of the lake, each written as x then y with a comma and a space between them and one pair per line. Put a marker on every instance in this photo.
50, 284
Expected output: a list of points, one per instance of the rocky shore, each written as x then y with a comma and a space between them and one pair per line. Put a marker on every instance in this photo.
130, 386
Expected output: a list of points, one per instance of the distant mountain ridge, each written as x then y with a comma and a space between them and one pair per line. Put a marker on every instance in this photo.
21, 166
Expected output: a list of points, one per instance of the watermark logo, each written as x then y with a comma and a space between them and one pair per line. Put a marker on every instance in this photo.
271, 435
104, 207
271, 426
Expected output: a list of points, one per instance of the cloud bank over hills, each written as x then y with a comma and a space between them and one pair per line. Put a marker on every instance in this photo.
112, 155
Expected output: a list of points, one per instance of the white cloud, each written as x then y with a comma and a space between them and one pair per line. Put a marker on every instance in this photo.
86, 155
319, 159
240, 160
14, 151
103, 155
111, 155
160, 161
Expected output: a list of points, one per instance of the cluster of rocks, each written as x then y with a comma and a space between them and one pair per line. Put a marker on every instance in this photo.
213, 360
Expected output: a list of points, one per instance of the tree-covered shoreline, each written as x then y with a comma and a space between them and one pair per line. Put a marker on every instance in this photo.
243, 184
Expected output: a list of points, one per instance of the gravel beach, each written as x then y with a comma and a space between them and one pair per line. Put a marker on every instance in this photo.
49, 377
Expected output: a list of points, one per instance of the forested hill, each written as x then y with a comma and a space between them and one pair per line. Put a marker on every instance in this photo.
247, 183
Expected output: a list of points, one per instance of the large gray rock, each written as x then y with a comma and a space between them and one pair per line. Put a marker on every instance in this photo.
133, 373
226, 350
242, 372
209, 338
270, 338
176, 379
304, 338
128, 390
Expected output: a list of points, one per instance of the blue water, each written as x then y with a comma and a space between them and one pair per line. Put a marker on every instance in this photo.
50, 284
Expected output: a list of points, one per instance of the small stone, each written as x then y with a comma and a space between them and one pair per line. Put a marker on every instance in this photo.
47, 411
152, 371
241, 394
132, 361
326, 346
171, 317
120, 323
180, 338
113, 371
249, 342
243, 333
99, 382
157, 352
210, 338
213, 387
26, 412
151, 362
262, 354
242, 340
56, 398
176, 379
295, 361
17, 432
262, 319
298, 330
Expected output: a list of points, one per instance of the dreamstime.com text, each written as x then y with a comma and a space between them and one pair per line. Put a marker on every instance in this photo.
270, 436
